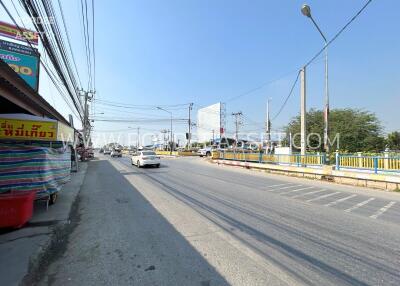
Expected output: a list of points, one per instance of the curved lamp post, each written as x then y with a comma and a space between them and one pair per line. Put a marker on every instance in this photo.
306, 11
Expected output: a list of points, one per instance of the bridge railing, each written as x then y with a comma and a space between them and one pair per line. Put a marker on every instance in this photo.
385, 163
292, 160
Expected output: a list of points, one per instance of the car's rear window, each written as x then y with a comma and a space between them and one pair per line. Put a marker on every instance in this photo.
148, 153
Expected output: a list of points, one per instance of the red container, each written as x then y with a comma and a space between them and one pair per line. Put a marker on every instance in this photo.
16, 208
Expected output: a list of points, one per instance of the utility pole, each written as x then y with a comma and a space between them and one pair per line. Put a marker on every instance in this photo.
164, 132
268, 128
138, 138
190, 125
238, 122
303, 110
172, 136
87, 97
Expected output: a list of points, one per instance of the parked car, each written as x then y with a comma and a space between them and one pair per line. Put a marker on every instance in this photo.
116, 153
145, 158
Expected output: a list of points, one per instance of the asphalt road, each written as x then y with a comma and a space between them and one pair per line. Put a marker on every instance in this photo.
194, 223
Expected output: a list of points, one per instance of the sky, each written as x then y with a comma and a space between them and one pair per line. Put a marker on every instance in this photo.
158, 52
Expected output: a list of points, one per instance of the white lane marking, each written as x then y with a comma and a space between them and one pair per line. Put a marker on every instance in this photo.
339, 201
297, 190
382, 210
309, 193
359, 205
278, 189
323, 196
279, 185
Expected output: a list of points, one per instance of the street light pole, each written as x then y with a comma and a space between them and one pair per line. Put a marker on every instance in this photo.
172, 138
306, 10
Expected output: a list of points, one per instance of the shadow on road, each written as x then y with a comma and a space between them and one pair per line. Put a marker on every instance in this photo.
121, 239
223, 216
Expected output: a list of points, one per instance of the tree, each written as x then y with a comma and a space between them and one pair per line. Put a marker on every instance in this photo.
354, 130
393, 140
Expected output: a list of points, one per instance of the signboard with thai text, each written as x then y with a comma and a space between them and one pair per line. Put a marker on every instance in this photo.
15, 129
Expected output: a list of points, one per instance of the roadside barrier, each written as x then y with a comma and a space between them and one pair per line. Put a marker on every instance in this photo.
291, 160
176, 153
376, 164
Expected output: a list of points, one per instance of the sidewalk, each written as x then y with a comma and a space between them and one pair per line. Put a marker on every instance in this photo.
21, 249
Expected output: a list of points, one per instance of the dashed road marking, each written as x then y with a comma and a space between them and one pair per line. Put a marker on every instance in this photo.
323, 196
309, 193
297, 190
271, 190
359, 205
279, 185
339, 201
382, 210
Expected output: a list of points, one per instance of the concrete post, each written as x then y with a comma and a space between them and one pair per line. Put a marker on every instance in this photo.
337, 160
360, 159
386, 161
303, 110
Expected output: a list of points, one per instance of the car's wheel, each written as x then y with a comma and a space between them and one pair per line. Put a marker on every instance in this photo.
158, 166
132, 162
208, 154
138, 164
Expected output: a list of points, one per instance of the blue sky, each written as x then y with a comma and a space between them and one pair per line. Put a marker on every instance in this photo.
180, 51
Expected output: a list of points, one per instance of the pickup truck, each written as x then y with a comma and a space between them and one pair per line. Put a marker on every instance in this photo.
205, 152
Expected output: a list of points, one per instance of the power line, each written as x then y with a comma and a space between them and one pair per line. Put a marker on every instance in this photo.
47, 69
287, 98
69, 41
339, 33
320, 52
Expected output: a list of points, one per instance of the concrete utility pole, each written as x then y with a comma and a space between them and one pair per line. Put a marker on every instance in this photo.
164, 132
138, 138
306, 10
172, 136
268, 128
87, 97
303, 110
238, 122
190, 125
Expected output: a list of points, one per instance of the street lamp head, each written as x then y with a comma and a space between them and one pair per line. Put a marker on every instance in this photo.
306, 10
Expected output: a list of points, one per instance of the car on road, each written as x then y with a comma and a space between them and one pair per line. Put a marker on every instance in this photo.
145, 158
205, 152
107, 151
116, 153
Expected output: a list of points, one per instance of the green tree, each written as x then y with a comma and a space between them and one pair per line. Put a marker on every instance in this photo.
393, 140
355, 130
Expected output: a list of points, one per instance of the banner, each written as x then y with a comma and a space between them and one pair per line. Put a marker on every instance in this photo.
11, 31
23, 60
16, 129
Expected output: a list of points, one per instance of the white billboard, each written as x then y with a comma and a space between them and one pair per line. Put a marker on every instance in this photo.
209, 123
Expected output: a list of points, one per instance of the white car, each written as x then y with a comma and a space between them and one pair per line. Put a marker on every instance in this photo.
145, 158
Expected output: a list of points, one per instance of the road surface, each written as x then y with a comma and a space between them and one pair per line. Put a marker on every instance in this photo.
190, 222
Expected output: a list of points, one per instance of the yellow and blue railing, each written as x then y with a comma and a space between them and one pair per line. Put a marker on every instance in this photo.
376, 164
257, 157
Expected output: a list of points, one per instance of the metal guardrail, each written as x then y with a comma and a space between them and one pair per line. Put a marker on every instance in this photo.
372, 163
291, 160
